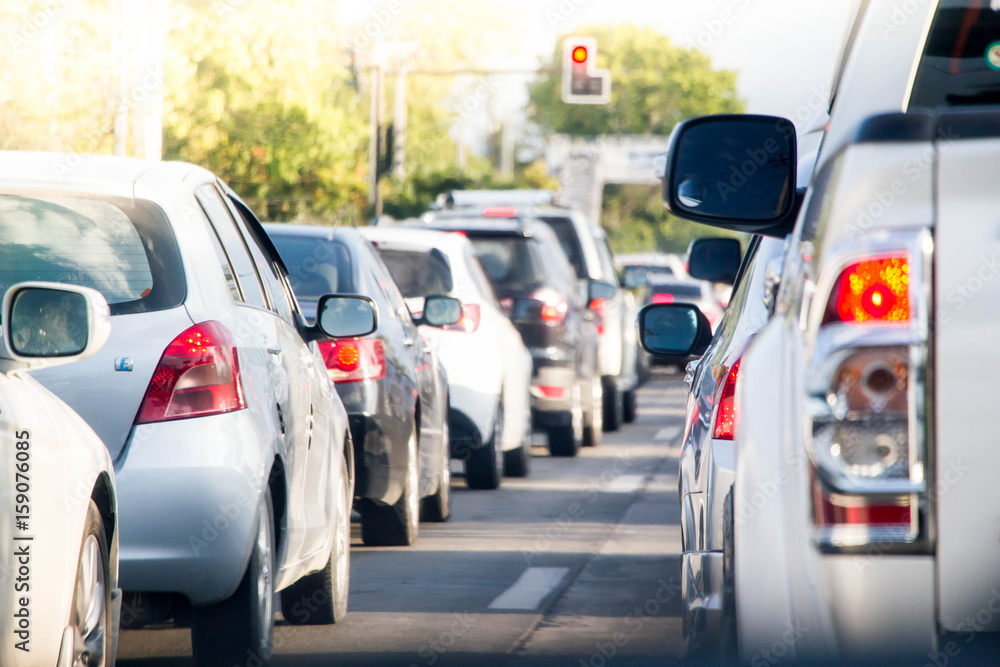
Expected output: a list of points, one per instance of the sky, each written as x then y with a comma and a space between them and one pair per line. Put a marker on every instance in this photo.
783, 50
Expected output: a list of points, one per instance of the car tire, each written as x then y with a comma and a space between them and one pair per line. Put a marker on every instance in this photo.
517, 462
484, 467
242, 626
630, 406
396, 525
612, 406
437, 508
90, 614
320, 598
592, 431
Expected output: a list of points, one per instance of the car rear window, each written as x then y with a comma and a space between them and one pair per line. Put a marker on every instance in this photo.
681, 291
418, 273
124, 248
316, 266
569, 241
960, 65
509, 260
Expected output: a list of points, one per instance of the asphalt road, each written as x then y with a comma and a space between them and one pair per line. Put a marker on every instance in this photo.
575, 565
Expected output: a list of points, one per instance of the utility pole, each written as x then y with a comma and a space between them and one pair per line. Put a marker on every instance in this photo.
376, 112
125, 8
399, 126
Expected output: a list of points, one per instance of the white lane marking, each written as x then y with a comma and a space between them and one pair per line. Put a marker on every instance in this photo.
667, 433
530, 588
624, 484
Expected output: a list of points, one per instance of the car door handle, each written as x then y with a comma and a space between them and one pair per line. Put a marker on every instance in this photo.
274, 351
407, 341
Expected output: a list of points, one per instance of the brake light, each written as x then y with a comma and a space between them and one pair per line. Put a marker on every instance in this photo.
507, 303
198, 375
725, 411
470, 319
600, 308
554, 305
354, 360
872, 290
500, 212
548, 392
663, 298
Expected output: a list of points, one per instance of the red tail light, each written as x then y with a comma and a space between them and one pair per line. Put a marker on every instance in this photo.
872, 290
725, 411
663, 298
834, 509
600, 308
198, 375
500, 212
470, 319
554, 305
354, 360
548, 392
507, 303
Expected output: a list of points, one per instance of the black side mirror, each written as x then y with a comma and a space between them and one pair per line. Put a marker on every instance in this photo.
440, 311
635, 276
600, 289
735, 171
344, 316
716, 260
674, 330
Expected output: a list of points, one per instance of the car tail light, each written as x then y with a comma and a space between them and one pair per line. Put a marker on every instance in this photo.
663, 298
725, 410
500, 212
507, 303
867, 393
553, 305
872, 290
354, 360
470, 319
542, 391
600, 309
198, 375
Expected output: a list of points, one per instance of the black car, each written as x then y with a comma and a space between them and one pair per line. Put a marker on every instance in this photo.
392, 386
538, 288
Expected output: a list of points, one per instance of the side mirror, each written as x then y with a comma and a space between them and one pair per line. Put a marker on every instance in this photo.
716, 260
735, 171
344, 316
440, 311
635, 276
599, 289
49, 324
674, 330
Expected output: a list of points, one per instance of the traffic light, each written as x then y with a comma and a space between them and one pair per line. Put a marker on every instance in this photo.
583, 83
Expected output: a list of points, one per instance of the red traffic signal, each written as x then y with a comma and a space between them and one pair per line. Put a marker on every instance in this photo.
580, 54
582, 82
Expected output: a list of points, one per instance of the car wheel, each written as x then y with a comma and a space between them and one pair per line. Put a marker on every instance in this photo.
517, 462
567, 440
438, 507
396, 525
90, 615
227, 632
592, 432
484, 468
630, 406
612, 406
320, 598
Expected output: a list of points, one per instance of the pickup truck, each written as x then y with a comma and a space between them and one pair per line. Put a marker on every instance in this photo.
865, 515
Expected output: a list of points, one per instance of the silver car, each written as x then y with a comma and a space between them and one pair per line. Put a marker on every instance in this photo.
231, 449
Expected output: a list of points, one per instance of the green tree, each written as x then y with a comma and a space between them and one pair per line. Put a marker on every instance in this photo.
655, 84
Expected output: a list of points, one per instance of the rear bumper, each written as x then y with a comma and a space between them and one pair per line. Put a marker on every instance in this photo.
189, 492
562, 376
371, 457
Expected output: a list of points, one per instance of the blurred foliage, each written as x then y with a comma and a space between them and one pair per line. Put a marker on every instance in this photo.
654, 85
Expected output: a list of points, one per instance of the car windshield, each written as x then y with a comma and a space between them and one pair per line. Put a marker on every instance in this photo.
509, 260
123, 248
417, 272
316, 266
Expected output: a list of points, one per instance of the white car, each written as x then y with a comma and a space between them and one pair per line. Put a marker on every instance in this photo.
865, 503
489, 368
59, 564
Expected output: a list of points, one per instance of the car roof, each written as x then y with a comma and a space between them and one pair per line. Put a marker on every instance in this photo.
481, 198
307, 231
416, 237
469, 221
103, 173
